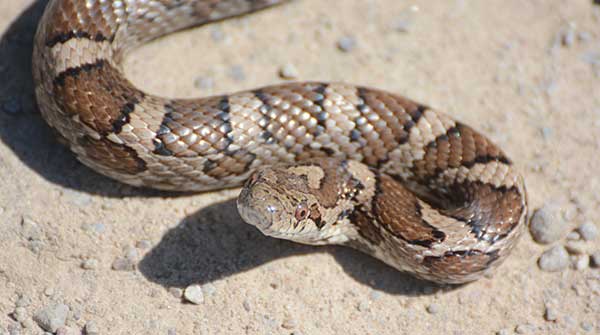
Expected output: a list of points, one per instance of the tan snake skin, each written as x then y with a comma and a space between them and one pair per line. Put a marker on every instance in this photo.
353, 166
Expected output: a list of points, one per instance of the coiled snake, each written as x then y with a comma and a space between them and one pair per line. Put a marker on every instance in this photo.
325, 163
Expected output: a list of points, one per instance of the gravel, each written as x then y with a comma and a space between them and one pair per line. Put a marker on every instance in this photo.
204, 83
91, 328
347, 43
550, 314
433, 309
89, 264
194, 294
289, 323
588, 231
546, 226
555, 259
577, 247
573, 236
176, 292
288, 71
52, 317
581, 262
525, 329
20, 314
123, 264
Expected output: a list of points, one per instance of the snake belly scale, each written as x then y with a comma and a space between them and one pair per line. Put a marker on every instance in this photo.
323, 163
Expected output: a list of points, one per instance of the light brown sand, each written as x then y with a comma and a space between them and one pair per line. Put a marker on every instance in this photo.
499, 65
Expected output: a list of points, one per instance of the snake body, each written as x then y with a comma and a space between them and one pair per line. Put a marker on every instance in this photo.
325, 163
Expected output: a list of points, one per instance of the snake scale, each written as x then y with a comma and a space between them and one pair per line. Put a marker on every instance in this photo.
324, 163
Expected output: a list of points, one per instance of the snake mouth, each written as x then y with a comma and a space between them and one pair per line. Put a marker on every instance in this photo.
253, 209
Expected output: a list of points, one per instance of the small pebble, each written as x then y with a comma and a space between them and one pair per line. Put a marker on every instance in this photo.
289, 323
577, 247
52, 317
288, 71
49, 291
176, 292
525, 329
545, 226
595, 259
504, 332
132, 254
555, 259
171, 331
91, 328
550, 314
30, 229
23, 301
194, 294
433, 308
588, 231
143, 244
89, 264
573, 236
363, 306
67, 331
347, 43
204, 83
237, 73
375, 295
581, 262
246, 305
123, 264
587, 326
568, 36
20, 314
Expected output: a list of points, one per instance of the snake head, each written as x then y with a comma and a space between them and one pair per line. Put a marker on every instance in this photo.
293, 202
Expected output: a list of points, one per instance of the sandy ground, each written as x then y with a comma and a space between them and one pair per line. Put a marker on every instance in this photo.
521, 71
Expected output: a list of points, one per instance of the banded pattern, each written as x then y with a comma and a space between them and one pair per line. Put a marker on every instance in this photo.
387, 175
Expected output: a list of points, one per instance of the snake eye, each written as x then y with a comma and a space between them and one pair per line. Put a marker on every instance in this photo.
301, 211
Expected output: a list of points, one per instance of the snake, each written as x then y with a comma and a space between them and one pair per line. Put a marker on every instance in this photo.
319, 163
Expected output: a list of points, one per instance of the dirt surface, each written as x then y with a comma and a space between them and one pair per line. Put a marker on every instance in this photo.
526, 73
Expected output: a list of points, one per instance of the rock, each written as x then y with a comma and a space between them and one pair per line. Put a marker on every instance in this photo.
123, 264
289, 323
67, 331
193, 294
23, 301
433, 308
143, 244
577, 247
588, 231
91, 328
595, 259
20, 314
525, 329
176, 292
347, 43
546, 226
573, 236
581, 262
288, 71
550, 314
52, 317
89, 264
555, 259
30, 229
204, 83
